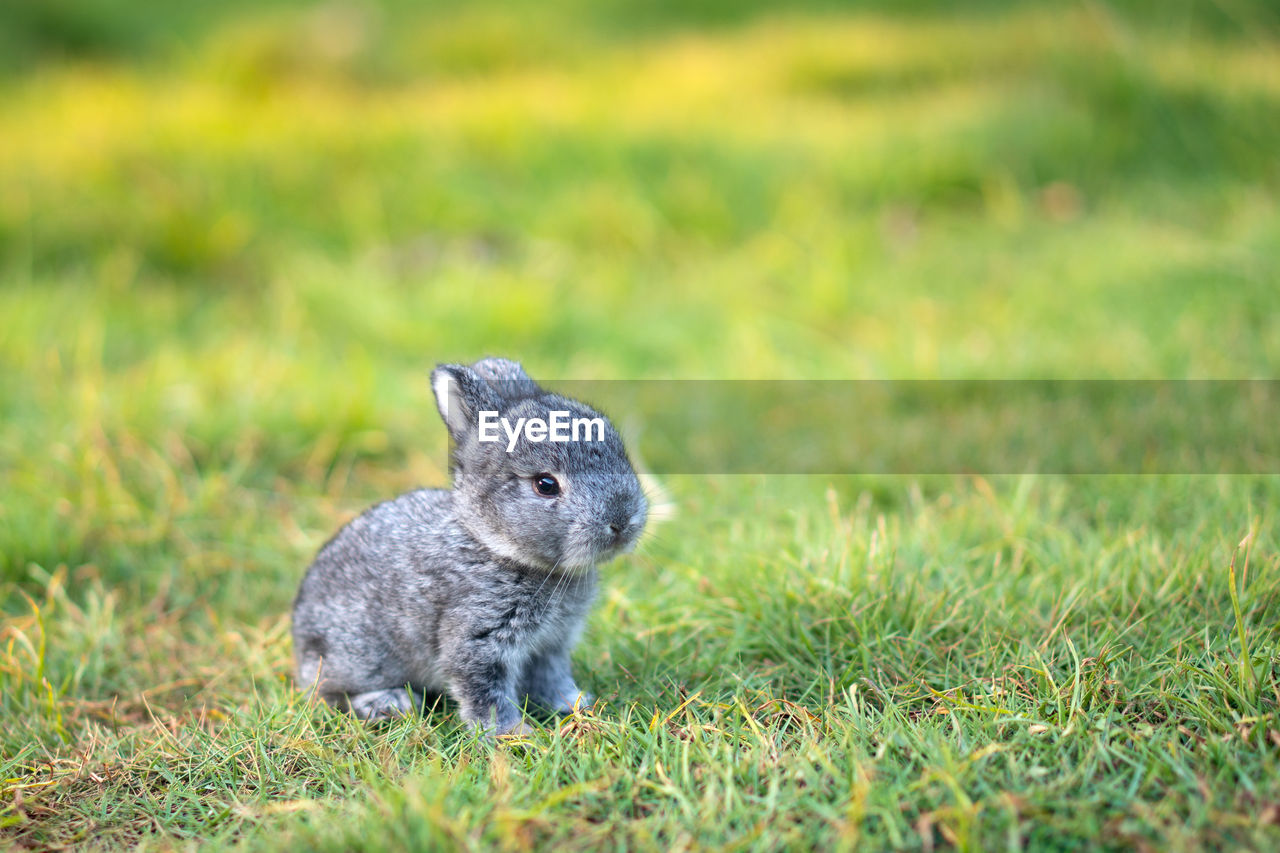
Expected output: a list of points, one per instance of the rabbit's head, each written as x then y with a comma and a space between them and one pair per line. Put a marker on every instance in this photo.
552, 504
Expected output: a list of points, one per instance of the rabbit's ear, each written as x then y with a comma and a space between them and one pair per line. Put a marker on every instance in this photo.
461, 396
507, 378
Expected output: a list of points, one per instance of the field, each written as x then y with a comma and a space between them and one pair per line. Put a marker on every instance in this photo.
235, 238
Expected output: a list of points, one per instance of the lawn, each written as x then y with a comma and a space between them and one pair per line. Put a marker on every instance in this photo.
235, 238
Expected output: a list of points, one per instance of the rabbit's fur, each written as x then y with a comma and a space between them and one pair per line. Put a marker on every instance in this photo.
480, 591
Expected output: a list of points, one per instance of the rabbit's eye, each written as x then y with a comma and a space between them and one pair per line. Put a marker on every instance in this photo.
546, 485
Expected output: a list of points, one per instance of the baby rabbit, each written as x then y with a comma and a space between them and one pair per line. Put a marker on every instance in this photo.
480, 591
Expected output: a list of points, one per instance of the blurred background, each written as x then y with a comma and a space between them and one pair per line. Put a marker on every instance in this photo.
234, 237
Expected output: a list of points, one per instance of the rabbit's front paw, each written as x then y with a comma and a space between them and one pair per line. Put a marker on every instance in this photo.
520, 729
568, 704
382, 704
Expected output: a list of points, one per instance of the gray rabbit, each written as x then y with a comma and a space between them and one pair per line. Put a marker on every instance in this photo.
480, 591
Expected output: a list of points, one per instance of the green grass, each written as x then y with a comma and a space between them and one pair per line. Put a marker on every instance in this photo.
235, 238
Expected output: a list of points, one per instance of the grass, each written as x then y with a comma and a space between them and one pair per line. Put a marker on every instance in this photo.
233, 242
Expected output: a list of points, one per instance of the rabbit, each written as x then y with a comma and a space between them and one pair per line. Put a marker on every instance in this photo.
480, 591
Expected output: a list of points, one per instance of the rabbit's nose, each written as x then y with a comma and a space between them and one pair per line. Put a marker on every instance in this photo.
616, 514
614, 532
